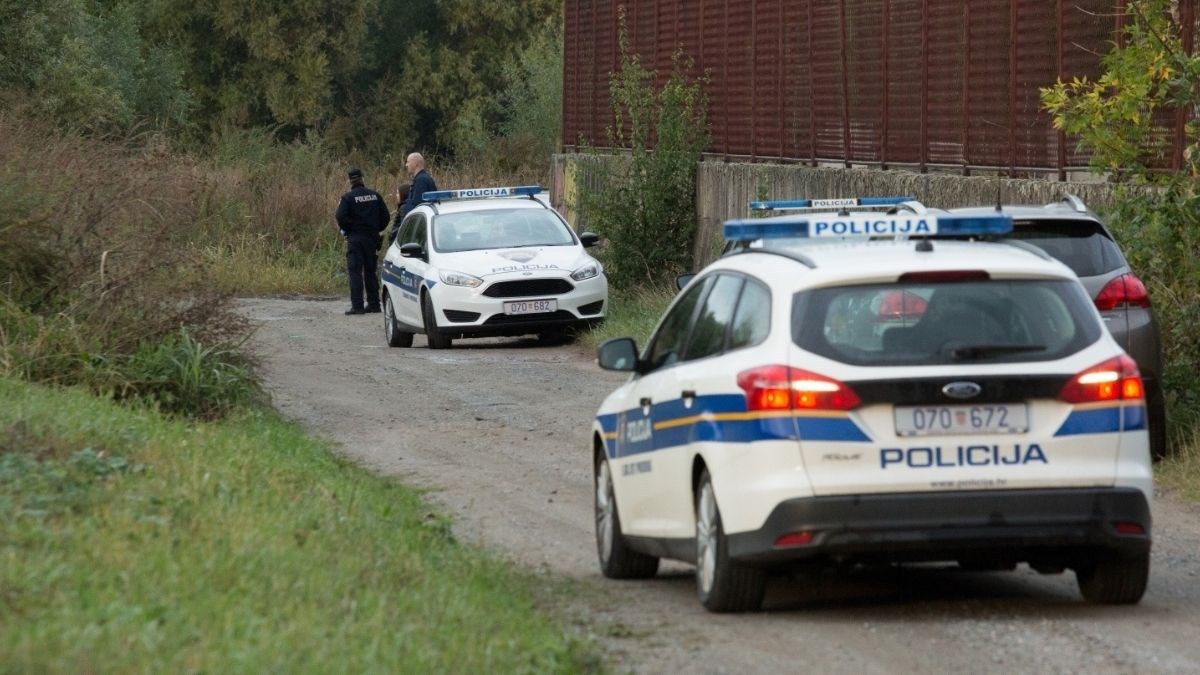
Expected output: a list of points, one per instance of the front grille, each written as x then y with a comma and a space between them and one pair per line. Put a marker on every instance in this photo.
592, 307
502, 319
528, 287
457, 316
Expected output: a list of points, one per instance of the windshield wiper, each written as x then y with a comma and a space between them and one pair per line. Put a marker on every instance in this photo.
980, 351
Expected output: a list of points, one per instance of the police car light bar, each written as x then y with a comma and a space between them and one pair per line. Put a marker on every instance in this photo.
840, 203
481, 193
868, 225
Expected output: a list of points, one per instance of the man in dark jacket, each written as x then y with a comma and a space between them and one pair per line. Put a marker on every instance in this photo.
362, 217
422, 182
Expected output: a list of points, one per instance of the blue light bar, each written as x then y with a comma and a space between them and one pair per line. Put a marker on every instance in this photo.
864, 225
831, 204
482, 193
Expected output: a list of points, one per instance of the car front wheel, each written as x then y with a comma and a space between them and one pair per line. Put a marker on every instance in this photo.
617, 560
435, 338
722, 584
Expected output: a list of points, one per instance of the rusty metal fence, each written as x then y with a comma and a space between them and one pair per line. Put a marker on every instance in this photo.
925, 84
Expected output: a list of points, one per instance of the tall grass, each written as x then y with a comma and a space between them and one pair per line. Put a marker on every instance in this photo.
632, 313
131, 543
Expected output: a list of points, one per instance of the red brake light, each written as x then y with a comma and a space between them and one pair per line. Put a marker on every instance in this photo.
945, 276
785, 388
1114, 380
1124, 291
794, 539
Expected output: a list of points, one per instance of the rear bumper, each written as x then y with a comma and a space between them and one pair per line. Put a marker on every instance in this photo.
1019, 525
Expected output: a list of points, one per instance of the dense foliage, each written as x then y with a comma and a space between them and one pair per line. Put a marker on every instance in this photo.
1120, 118
645, 204
380, 76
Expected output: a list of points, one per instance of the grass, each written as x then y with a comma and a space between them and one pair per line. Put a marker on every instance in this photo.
245, 265
632, 313
134, 543
1180, 471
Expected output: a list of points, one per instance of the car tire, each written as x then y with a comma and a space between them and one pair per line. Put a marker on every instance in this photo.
617, 560
722, 584
391, 330
435, 338
1156, 414
1114, 579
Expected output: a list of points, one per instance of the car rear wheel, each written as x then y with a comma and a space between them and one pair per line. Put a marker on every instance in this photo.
391, 330
617, 560
435, 338
1114, 579
722, 584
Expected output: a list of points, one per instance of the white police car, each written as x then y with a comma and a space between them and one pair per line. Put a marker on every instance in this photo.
856, 401
487, 262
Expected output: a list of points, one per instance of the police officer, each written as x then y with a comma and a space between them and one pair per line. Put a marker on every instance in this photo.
362, 216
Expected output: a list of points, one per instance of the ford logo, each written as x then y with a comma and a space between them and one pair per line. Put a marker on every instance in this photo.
962, 390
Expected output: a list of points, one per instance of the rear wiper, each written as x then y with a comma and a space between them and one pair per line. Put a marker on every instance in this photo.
980, 351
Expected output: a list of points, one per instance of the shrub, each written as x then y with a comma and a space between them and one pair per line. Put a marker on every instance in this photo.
645, 205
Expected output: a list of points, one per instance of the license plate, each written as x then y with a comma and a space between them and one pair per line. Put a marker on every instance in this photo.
992, 418
530, 306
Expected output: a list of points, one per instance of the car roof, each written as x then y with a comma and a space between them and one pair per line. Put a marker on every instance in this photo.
1059, 211
849, 261
486, 204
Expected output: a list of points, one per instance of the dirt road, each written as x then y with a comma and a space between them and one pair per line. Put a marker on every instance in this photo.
498, 430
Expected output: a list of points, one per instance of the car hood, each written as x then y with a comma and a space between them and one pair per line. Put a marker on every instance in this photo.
492, 263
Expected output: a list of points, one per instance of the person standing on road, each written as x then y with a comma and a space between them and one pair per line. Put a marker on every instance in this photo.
362, 216
422, 182
401, 196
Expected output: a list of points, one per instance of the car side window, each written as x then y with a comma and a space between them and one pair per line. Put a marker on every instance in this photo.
712, 322
408, 230
752, 321
666, 347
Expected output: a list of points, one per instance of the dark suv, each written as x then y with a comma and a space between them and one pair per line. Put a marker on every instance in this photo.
1070, 232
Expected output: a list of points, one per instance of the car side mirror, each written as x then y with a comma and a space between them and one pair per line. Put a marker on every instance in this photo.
683, 280
412, 250
618, 354
589, 239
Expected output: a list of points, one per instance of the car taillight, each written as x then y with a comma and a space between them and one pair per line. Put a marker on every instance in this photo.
1114, 380
1124, 291
785, 388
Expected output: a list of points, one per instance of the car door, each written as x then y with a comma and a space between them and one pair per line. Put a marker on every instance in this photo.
649, 466
411, 272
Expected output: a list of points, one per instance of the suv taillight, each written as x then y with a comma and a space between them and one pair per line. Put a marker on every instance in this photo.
1125, 290
1116, 379
786, 388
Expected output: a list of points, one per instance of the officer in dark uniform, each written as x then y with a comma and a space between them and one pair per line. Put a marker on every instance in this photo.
362, 216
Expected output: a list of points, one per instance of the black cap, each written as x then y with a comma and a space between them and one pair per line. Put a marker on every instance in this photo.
354, 174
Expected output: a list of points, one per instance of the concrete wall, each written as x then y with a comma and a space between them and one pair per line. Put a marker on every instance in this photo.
723, 190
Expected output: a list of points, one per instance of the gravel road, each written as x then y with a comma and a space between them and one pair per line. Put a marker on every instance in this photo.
497, 430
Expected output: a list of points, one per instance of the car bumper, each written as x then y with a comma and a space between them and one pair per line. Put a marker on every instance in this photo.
1016, 525
467, 312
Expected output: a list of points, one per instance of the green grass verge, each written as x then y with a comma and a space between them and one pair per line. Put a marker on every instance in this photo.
1180, 472
631, 313
131, 543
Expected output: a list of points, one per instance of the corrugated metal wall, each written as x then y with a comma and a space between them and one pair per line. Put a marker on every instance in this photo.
918, 83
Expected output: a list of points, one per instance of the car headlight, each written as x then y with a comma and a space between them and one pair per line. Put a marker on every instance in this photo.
586, 272
452, 278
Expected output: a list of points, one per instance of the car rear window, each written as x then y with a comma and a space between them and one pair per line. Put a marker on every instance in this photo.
1081, 245
938, 323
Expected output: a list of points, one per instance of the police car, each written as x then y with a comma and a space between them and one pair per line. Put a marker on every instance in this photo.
849, 400
489, 262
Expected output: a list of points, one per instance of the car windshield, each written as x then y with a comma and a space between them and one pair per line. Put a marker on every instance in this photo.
1079, 244
940, 323
498, 228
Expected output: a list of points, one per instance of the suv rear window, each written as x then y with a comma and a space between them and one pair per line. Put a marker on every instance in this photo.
938, 323
1079, 244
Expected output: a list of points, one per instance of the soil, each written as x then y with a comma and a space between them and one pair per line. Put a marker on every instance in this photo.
497, 431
